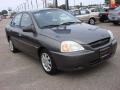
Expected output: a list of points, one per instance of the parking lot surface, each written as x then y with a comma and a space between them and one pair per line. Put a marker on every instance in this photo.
22, 72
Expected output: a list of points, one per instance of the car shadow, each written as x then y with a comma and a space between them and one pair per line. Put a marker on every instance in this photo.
111, 24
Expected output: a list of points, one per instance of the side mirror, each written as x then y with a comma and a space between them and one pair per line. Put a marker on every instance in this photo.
28, 29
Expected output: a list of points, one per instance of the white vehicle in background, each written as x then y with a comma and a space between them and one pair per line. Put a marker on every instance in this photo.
94, 11
87, 16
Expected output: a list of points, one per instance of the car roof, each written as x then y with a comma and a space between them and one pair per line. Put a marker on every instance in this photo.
33, 11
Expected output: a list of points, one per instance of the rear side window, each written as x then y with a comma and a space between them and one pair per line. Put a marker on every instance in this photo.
26, 20
83, 12
16, 20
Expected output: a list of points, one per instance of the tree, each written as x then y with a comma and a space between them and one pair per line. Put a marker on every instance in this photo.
50, 5
9, 9
63, 6
4, 12
77, 6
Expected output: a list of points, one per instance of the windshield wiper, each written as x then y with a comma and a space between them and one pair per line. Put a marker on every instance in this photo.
49, 26
66, 23
69, 23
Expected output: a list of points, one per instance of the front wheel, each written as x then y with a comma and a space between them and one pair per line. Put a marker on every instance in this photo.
48, 63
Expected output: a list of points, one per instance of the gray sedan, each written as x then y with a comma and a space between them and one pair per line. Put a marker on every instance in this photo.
59, 40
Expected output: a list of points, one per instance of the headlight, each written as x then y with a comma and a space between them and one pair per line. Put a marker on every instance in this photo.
71, 46
111, 35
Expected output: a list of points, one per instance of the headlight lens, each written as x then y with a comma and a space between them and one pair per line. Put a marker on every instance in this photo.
71, 46
111, 35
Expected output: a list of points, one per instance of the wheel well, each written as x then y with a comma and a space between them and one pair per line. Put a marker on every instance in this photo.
92, 18
40, 50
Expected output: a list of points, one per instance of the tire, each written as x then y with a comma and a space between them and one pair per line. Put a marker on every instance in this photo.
12, 47
115, 23
92, 21
48, 63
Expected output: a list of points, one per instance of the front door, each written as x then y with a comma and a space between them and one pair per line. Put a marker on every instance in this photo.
28, 40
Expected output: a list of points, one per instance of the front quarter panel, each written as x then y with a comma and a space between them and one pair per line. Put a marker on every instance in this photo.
49, 43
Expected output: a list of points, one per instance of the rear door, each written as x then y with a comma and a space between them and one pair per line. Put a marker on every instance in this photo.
14, 29
84, 15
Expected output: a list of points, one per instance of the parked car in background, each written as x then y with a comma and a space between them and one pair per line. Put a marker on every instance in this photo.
114, 16
87, 16
104, 15
59, 40
93, 10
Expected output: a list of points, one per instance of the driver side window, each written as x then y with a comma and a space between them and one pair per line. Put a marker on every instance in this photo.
26, 20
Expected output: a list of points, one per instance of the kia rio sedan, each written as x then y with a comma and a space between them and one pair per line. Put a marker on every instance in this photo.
59, 40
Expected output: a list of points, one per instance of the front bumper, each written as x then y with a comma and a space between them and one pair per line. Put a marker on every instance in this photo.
88, 58
114, 19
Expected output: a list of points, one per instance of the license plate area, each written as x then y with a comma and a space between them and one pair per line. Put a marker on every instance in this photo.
113, 17
105, 52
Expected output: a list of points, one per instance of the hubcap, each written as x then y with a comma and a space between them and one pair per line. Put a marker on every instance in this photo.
11, 45
92, 22
46, 62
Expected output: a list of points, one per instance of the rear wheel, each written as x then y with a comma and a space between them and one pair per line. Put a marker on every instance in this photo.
48, 63
115, 23
12, 47
92, 21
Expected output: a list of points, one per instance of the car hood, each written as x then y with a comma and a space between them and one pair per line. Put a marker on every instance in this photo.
81, 33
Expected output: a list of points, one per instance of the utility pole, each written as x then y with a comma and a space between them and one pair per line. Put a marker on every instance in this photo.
45, 3
74, 3
37, 4
28, 4
55, 3
32, 4
24, 6
67, 4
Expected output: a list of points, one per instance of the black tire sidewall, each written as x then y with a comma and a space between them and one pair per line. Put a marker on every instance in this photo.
116, 23
93, 20
53, 68
14, 49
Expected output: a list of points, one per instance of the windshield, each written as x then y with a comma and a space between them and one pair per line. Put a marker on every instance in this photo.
53, 17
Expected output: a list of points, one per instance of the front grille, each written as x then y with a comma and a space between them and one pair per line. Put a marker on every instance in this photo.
105, 53
95, 62
99, 43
